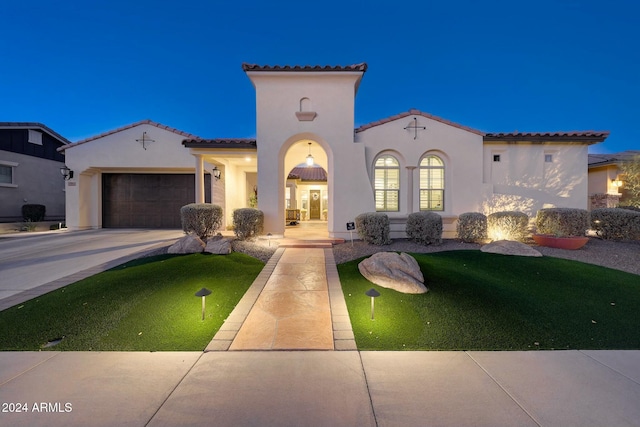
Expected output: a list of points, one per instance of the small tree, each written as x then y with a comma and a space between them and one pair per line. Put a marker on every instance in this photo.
631, 172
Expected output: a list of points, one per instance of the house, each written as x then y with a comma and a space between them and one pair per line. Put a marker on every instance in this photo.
606, 181
30, 170
305, 118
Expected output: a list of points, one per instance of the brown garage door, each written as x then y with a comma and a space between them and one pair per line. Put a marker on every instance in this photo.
147, 200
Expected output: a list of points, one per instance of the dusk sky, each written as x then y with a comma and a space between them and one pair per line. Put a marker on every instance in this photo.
86, 67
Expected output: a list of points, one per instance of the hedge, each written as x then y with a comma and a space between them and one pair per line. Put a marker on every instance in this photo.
616, 224
472, 227
247, 223
562, 222
201, 219
424, 227
507, 225
373, 228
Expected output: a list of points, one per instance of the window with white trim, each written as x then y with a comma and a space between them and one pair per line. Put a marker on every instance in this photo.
431, 184
387, 184
7, 174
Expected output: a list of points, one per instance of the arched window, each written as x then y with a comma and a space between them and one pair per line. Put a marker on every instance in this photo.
431, 184
387, 183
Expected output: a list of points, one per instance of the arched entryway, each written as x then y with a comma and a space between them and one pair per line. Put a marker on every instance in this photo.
306, 190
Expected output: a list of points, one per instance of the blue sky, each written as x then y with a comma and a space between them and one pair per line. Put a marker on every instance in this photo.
85, 67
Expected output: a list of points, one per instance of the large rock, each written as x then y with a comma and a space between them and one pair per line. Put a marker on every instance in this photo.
189, 244
218, 245
400, 272
508, 247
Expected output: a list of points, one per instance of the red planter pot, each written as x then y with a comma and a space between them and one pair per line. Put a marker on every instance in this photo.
575, 242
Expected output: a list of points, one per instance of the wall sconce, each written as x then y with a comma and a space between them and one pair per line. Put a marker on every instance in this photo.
616, 183
66, 173
309, 157
217, 173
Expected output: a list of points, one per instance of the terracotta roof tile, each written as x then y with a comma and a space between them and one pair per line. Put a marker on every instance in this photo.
353, 67
132, 125
220, 143
571, 136
414, 112
308, 173
606, 159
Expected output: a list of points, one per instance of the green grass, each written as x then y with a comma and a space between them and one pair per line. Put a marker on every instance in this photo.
145, 305
480, 301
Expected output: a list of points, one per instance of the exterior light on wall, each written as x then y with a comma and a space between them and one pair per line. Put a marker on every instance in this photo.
616, 183
217, 173
309, 157
373, 294
203, 293
66, 173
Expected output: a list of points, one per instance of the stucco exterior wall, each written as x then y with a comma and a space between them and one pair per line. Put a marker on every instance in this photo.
118, 152
36, 181
523, 181
331, 96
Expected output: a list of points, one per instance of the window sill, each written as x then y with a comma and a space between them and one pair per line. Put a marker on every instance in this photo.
8, 185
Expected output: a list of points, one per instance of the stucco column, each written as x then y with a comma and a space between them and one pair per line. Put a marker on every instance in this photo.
199, 178
410, 188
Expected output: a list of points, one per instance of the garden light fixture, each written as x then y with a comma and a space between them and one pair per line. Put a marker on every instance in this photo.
203, 293
373, 294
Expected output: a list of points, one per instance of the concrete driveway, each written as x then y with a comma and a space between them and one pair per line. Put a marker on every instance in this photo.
35, 263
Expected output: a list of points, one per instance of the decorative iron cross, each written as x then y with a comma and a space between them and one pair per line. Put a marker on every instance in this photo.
415, 127
145, 139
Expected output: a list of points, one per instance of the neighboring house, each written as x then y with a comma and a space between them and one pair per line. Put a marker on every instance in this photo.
30, 170
402, 164
606, 181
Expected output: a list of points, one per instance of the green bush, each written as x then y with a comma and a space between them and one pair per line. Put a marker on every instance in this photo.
562, 222
507, 225
201, 219
247, 223
424, 227
33, 213
472, 227
373, 228
616, 224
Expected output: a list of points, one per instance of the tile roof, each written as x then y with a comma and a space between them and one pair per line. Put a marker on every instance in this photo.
246, 143
353, 67
34, 125
304, 173
132, 125
571, 136
605, 159
414, 112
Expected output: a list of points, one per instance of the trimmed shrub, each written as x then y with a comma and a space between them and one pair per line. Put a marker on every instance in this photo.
616, 224
507, 225
247, 223
424, 227
562, 222
201, 219
472, 227
33, 213
373, 228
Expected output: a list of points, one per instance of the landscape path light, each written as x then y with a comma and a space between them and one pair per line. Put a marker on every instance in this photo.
373, 294
203, 293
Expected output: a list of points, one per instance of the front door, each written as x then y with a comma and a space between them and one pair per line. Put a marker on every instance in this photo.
314, 204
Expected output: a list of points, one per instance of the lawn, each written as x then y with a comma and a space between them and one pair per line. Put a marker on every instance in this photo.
480, 301
145, 305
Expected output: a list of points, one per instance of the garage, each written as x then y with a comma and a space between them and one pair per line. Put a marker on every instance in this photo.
147, 200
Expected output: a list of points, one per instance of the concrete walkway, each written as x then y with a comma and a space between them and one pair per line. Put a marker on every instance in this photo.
314, 388
321, 388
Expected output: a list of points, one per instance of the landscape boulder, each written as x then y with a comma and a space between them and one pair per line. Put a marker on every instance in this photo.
391, 270
508, 247
189, 244
218, 245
